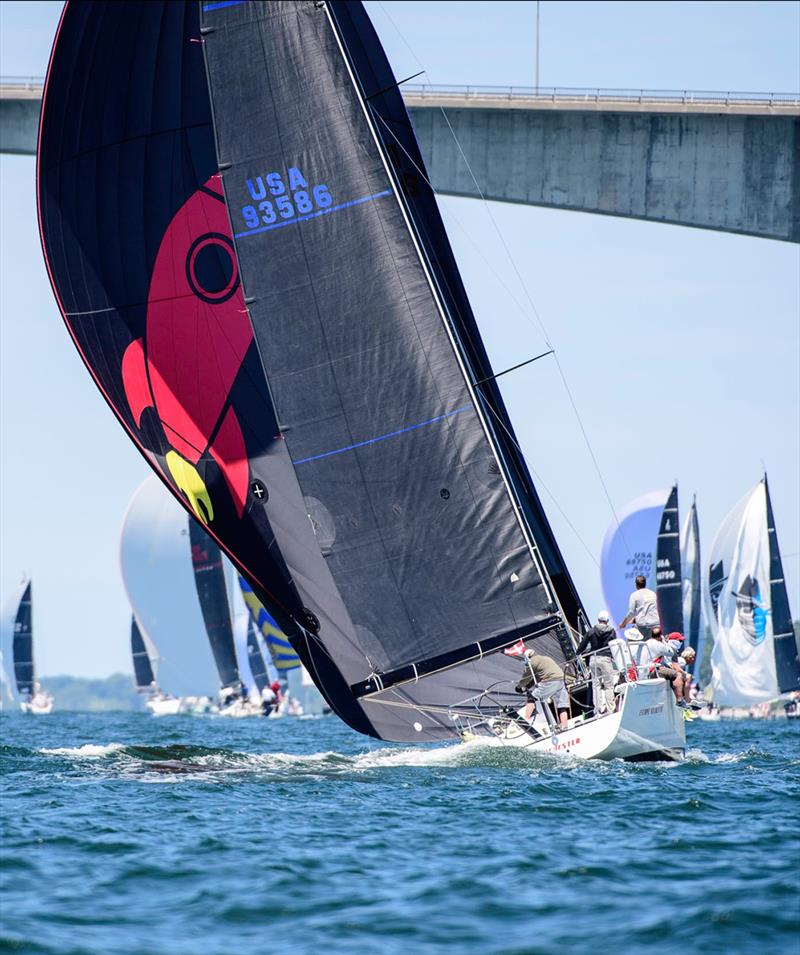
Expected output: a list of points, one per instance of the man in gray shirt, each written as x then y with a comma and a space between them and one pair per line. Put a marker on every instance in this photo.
642, 609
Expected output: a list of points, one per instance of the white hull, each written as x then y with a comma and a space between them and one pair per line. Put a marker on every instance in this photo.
39, 706
648, 725
241, 709
168, 706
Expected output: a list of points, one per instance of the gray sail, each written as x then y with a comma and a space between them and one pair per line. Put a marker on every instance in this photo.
22, 647
787, 665
405, 515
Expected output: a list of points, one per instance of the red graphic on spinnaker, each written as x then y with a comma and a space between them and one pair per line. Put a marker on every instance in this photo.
197, 333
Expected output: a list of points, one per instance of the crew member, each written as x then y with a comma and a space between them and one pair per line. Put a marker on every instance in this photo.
601, 664
543, 680
642, 609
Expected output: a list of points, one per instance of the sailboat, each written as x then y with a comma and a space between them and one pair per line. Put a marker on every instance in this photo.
155, 560
209, 576
630, 549
754, 658
19, 679
263, 290
692, 585
300, 697
144, 656
648, 538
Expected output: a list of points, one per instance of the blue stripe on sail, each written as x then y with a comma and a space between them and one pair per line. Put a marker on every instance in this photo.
313, 215
220, 4
272, 640
383, 437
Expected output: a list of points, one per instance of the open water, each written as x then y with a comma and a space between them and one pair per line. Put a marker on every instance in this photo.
126, 834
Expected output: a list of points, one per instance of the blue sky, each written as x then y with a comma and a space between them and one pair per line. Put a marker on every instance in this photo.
682, 347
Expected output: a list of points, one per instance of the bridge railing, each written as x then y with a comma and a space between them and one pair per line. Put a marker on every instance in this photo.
546, 94
598, 95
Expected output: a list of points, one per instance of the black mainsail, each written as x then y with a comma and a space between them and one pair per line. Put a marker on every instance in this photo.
248, 255
669, 584
209, 577
22, 647
255, 658
787, 665
143, 675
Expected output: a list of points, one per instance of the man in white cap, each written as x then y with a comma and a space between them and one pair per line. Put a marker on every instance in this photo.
601, 664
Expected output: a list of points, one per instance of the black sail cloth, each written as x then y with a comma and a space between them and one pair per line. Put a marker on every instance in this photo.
363, 330
209, 578
142, 666
22, 646
787, 664
369, 493
669, 582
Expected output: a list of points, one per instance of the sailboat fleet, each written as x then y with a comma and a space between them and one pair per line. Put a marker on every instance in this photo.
286, 339
194, 640
18, 682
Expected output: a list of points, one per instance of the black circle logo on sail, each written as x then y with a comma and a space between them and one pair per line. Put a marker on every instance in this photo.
211, 268
444, 494
259, 490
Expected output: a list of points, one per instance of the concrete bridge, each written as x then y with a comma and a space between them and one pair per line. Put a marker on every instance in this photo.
721, 161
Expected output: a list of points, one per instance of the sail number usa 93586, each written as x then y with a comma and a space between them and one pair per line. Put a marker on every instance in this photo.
277, 197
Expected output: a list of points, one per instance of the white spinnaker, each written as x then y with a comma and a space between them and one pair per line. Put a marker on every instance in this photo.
743, 658
155, 558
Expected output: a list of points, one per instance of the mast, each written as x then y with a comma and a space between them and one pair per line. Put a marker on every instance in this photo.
787, 665
669, 584
23, 644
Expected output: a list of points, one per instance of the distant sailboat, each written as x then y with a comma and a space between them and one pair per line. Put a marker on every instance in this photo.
155, 560
669, 582
292, 675
145, 655
18, 660
754, 658
691, 575
629, 549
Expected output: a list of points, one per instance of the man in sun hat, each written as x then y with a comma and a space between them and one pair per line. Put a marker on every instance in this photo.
601, 665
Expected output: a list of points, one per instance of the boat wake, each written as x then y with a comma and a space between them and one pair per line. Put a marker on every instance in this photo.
184, 760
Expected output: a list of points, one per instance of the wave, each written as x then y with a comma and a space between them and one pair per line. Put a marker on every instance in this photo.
87, 751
